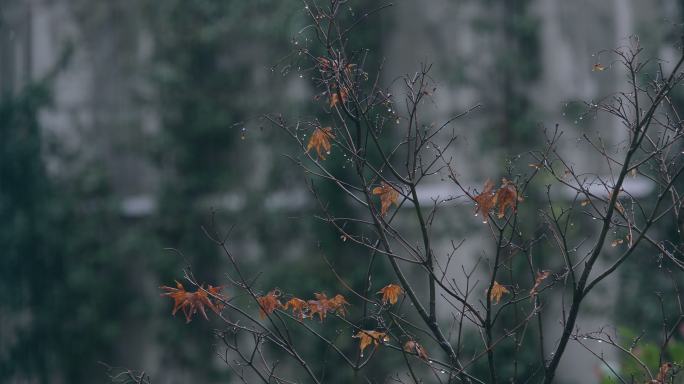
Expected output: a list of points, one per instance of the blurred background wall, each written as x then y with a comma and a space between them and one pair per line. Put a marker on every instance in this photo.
126, 126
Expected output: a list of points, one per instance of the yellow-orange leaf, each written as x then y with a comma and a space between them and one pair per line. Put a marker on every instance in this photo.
320, 141
485, 201
412, 346
497, 291
269, 303
507, 196
390, 293
367, 338
192, 302
298, 306
388, 196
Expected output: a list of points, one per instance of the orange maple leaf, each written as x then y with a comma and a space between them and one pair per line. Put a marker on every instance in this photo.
192, 302
322, 305
370, 337
336, 97
541, 276
507, 196
497, 291
320, 141
388, 196
269, 303
298, 306
390, 293
337, 304
412, 346
485, 201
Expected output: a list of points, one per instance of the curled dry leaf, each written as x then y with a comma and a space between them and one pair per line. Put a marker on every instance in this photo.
541, 276
326, 65
320, 141
269, 303
507, 196
336, 97
598, 67
390, 293
388, 196
298, 307
322, 305
367, 338
485, 201
192, 302
412, 346
497, 291
663, 372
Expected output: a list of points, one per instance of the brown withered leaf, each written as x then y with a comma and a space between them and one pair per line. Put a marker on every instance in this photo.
298, 307
324, 63
485, 201
412, 346
338, 304
390, 293
320, 141
616, 242
598, 67
388, 196
370, 337
541, 276
497, 291
336, 97
192, 302
663, 372
322, 305
269, 303
507, 196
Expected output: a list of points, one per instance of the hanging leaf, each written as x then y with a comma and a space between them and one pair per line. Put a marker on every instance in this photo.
192, 302
320, 141
541, 276
497, 291
507, 196
298, 307
336, 97
485, 201
367, 338
390, 293
269, 303
322, 305
412, 346
388, 196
